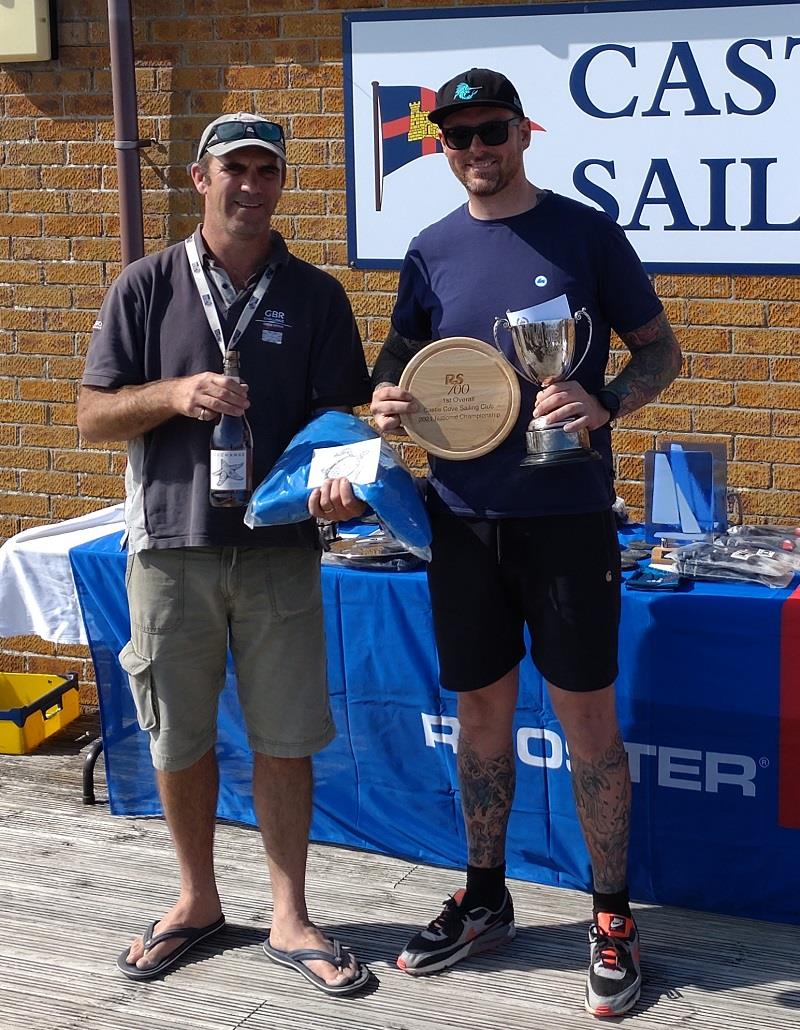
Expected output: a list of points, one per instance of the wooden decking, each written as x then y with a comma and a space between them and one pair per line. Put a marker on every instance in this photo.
75, 883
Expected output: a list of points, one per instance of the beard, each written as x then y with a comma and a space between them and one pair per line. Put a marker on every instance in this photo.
487, 182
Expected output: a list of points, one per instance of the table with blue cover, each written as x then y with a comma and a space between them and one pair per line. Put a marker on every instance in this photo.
709, 701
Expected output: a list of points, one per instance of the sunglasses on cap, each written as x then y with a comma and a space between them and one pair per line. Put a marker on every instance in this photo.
491, 134
226, 132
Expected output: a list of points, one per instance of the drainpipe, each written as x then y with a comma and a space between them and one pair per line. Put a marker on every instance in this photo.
126, 129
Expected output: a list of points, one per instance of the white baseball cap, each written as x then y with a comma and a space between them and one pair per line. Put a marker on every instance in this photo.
232, 131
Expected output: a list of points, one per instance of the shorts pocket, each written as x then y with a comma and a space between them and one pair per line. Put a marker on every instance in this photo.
293, 580
141, 682
155, 585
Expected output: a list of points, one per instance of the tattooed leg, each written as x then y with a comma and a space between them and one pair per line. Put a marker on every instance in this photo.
486, 768
487, 790
602, 788
601, 781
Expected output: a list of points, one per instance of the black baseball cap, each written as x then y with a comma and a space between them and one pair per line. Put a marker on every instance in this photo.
479, 87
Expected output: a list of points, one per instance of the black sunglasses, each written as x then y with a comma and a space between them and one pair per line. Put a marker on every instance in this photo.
225, 132
491, 134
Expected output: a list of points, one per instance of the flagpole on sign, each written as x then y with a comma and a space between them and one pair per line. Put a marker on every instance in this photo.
376, 136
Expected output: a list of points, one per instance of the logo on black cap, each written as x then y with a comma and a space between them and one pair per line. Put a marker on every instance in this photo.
477, 87
464, 91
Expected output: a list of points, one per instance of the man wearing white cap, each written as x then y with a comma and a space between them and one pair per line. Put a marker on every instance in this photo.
199, 581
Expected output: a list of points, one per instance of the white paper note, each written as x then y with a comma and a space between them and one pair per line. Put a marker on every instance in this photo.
548, 311
357, 462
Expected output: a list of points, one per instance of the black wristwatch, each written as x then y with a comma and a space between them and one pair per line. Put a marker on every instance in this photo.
610, 402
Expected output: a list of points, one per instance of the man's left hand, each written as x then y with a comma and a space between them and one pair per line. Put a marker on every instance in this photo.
335, 501
569, 402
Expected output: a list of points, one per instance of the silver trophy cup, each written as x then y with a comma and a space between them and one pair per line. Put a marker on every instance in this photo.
546, 354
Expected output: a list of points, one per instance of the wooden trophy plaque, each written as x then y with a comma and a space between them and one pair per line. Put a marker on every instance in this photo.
467, 396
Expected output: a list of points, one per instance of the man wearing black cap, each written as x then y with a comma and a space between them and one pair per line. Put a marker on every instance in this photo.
515, 545
198, 579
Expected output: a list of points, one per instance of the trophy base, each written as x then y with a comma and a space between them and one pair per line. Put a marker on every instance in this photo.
550, 445
559, 458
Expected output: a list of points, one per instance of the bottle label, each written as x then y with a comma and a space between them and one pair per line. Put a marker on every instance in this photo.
228, 470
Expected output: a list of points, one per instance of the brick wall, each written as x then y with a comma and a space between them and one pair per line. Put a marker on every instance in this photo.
59, 250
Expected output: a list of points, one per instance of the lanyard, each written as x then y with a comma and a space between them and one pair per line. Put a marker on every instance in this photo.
210, 308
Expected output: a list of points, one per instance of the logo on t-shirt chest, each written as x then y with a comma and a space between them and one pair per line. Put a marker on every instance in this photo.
273, 323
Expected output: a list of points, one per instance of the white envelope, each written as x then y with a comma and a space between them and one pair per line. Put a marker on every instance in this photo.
548, 311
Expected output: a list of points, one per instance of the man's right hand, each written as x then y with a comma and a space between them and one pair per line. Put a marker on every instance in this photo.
129, 411
388, 404
208, 395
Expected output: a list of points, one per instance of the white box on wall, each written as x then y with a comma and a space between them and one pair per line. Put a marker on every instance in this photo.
25, 30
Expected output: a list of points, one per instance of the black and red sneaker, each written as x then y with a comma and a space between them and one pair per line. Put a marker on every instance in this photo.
456, 933
614, 981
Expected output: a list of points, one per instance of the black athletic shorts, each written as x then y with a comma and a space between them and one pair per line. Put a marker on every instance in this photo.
560, 574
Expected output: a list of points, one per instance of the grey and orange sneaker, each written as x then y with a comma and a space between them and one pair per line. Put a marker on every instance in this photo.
615, 978
456, 933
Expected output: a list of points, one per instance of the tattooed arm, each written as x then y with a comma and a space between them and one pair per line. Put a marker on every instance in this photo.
389, 402
654, 362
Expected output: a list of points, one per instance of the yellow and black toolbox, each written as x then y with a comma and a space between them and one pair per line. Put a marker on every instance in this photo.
34, 706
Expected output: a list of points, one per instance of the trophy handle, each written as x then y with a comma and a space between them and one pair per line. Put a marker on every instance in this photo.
499, 323
503, 323
583, 313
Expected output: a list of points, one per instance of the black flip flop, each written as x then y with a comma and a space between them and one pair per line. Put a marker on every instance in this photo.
337, 957
190, 935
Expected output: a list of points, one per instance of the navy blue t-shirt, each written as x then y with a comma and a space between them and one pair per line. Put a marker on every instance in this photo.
462, 272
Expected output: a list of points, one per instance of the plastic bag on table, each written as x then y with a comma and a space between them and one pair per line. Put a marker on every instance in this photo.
378, 550
282, 497
776, 538
745, 564
763, 544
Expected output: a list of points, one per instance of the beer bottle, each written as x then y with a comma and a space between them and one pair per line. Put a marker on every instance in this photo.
231, 463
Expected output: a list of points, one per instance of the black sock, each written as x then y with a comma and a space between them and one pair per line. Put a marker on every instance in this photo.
485, 887
617, 904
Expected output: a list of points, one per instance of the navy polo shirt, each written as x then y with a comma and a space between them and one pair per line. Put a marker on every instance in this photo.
462, 272
301, 351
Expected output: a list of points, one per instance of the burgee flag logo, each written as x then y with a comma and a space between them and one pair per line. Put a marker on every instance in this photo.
403, 131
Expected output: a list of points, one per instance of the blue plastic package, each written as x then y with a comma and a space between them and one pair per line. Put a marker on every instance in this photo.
282, 497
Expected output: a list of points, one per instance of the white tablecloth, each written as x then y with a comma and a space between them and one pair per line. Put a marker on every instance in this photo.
37, 592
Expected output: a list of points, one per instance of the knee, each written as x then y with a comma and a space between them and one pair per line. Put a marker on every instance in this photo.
478, 715
589, 720
594, 736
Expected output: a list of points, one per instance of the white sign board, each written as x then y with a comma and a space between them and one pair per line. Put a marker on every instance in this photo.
680, 120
